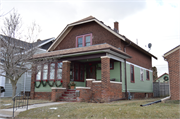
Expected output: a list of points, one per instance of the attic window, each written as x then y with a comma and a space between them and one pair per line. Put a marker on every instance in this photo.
84, 40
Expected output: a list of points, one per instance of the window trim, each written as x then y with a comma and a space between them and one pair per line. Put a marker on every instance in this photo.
147, 76
142, 74
112, 62
37, 73
83, 39
49, 68
133, 74
57, 70
42, 73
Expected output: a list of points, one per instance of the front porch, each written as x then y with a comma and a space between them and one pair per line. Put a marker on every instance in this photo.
97, 74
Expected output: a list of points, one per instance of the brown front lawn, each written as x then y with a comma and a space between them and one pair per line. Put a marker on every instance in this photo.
8, 102
117, 109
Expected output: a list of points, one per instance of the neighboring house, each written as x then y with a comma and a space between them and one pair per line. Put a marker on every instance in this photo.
163, 78
103, 63
173, 59
24, 83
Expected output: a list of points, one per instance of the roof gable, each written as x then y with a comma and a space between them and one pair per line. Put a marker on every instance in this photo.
171, 51
69, 27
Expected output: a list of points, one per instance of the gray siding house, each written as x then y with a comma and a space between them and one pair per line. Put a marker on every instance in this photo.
24, 83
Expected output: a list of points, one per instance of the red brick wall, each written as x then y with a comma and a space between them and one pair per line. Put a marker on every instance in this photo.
138, 58
85, 95
33, 76
101, 35
105, 78
116, 91
138, 95
96, 92
42, 95
65, 74
174, 74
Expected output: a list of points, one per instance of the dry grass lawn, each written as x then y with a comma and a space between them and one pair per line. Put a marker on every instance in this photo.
119, 109
8, 103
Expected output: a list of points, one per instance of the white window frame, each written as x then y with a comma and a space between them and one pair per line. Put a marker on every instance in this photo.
141, 74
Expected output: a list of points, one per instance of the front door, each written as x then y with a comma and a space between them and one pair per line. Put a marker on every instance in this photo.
90, 71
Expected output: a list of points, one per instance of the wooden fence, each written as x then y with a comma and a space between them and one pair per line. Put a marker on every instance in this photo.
160, 89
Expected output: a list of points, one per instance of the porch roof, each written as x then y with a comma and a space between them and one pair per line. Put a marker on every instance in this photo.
86, 49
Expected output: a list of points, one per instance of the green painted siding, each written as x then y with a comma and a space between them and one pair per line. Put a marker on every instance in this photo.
114, 73
161, 79
139, 85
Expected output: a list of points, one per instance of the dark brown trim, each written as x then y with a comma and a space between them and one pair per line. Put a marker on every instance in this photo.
74, 58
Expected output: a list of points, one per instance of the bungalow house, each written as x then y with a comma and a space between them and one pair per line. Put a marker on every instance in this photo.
103, 64
173, 59
24, 83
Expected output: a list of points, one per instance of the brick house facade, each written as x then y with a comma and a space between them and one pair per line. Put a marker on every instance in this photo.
103, 63
173, 59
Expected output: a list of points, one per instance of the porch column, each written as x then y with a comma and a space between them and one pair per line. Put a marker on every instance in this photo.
66, 73
105, 78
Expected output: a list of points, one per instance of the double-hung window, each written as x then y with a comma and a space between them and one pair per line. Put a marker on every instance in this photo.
38, 75
84, 40
142, 74
45, 72
147, 75
132, 73
59, 70
52, 71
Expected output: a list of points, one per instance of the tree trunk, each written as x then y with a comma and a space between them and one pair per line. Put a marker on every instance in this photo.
13, 89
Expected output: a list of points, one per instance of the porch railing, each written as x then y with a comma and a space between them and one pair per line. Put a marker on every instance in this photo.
20, 101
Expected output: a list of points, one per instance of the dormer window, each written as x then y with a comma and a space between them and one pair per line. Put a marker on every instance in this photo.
84, 40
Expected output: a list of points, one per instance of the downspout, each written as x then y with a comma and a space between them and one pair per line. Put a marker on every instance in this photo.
161, 100
126, 95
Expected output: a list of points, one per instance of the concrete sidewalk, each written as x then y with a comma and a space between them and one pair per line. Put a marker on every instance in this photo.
6, 113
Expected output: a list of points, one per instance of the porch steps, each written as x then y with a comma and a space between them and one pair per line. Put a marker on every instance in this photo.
69, 96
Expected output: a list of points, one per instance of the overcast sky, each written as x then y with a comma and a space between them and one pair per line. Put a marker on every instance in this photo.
149, 21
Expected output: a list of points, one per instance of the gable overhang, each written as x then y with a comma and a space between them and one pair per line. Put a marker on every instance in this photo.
68, 28
171, 51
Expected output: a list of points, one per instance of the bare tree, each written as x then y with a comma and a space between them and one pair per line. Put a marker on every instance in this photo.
15, 54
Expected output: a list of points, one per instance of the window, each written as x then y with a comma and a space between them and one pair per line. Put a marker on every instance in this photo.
112, 65
84, 40
147, 75
59, 70
78, 72
132, 73
38, 75
52, 71
45, 72
142, 74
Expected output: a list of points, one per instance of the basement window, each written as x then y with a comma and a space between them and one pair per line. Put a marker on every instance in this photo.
84, 40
